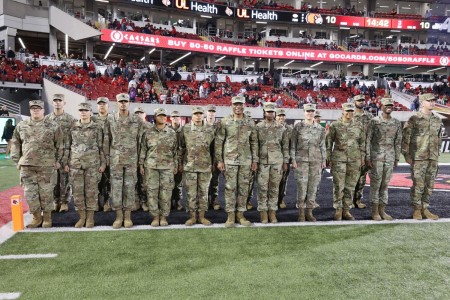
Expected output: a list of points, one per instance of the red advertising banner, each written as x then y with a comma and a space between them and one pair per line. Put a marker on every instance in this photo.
148, 40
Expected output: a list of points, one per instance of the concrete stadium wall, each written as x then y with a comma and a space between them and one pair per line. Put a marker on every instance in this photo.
72, 98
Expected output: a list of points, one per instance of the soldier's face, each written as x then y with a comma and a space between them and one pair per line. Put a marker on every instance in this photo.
197, 118
270, 115
160, 119
141, 115
359, 104
123, 106
175, 121
347, 115
387, 109
211, 114
429, 104
85, 114
317, 120
58, 104
102, 108
309, 114
238, 108
281, 119
37, 113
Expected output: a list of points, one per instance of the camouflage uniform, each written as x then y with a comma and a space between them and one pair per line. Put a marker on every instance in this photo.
213, 190
141, 189
36, 147
177, 192
104, 186
159, 158
285, 175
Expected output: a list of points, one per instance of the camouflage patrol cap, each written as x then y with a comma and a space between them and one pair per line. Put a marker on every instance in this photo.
348, 106
269, 106
309, 106
58, 97
38, 103
426, 97
160, 111
211, 107
84, 106
197, 109
387, 101
359, 98
175, 113
317, 114
102, 99
238, 99
123, 97
139, 110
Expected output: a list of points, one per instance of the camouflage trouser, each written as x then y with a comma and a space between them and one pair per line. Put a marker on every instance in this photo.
283, 183
308, 176
61, 192
269, 177
177, 191
196, 185
123, 182
213, 190
251, 185
423, 173
38, 184
159, 189
361, 183
345, 176
84, 185
380, 175
237, 179
104, 186
141, 194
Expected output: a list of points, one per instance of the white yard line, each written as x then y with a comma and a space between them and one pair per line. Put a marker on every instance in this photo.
28, 256
6, 231
7, 296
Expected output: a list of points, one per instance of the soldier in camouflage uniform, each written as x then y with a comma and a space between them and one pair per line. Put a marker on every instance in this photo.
251, 183
195, 163
85, 162
213, 190
37, 148
273, 153
362, 116
383, 144
422, 137
317, 120
141, 190
124, 131
158, 163
65, 121
308, 159
281, 119
345, 143
177, 192
236, 153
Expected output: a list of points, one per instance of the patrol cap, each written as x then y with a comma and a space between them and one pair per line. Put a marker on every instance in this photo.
317, 114
58, 97
123, 97
175, 113
211, 107
387, 101
160, 111
238, 99
197, 109
281, 112
359, 98
269, 106
38, 103
84, 106
102, 99
139, 110
348, 106
309, 106
426, 97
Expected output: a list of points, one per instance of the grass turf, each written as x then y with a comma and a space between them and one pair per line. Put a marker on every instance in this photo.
399, 261
9, 175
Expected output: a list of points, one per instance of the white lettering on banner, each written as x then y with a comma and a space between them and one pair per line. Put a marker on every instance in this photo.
205, 8
266, 52
269, 15
231, 49
301, 54
176, 43
143, 1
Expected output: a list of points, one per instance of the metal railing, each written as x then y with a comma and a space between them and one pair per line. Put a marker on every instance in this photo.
13, 107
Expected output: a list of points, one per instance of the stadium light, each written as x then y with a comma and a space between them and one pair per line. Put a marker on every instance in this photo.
349, 65
436, 69
21, 43
315, 65
104, 1
410, 68
345, 28
142, 58
288, 63
220, 58
178, 59
109, 51
205, 16
151, 51
67, 45
378, 67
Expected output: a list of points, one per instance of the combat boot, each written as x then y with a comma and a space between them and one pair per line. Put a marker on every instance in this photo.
359, 204
89, 219
192, 219
338, 214
82, 220
106, 207
383, 214
145, 207
346, 215
249, 205
47, 219
417, 214
155, 221
282, 204
264, 217
301, 214
179, 206
56, 206
375, 212
64, 207
127, 223
426, 214
273, 216
163, 221
119, 219
37, 220
309, 215
230, 220
216, 205
202, 219
242, 220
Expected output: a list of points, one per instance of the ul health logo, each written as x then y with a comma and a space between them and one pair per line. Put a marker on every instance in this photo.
116, 36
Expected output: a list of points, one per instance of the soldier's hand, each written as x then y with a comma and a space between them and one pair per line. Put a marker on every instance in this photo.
329, 164
409, 161
294, 165
254, 166
57, 166
396, 164
18, 167
101, 169
66, 169
285, 167
141, 170
369, 164
363, 163
221, 166
180, 169
323, 166
175, 170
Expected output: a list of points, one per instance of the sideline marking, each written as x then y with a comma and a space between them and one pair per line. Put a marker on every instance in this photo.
28, 256
6, 231
5, 296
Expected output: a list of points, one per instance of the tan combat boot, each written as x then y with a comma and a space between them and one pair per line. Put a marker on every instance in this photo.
37, 220
64, 207
82, 220
273, 216
375, 212
264, 217
47, 219
192, 219
145, 207
56, 207
179, 206
216, 205
426, 214
383, 214
202, 219
89, 219
346, 215
282, 204
359, 204
106, 207
163, 221
242, 220
249, 205
127, 223
119, 219
338, 214
230, 220
309, 215
417, 214
155, 221
301, 214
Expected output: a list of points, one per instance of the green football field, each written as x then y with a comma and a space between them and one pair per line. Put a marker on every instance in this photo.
396, 261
